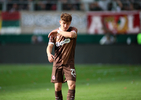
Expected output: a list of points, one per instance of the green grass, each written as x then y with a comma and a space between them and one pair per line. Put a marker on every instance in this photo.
94, 82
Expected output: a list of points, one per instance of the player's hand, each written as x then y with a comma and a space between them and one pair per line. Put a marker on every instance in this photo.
54, 32
50, 58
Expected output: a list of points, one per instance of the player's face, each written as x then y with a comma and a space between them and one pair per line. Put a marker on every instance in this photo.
64, 25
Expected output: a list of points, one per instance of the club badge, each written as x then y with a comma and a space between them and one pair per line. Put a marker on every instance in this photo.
53, 77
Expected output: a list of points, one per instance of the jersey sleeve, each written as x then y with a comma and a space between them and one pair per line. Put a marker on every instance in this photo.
74, 30
51, 40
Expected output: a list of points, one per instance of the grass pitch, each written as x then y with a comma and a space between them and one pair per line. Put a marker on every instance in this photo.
94, 82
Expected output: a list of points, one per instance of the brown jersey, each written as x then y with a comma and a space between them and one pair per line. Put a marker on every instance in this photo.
64, 48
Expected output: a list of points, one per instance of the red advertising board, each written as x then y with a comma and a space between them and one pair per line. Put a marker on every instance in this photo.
125, 22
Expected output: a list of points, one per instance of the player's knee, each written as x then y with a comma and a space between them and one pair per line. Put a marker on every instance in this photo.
72, 86
58, 87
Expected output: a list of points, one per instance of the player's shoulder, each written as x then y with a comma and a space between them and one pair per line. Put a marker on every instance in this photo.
53, 36
72, 28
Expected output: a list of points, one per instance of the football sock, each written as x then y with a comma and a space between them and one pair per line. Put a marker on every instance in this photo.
71, 95
58, 95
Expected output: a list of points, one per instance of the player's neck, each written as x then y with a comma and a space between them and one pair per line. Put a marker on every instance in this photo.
61, 28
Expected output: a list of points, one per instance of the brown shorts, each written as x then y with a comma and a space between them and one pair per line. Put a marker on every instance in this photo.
59, 72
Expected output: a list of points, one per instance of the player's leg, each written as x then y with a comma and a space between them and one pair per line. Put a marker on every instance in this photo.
57, 79
71, 91
58, 91
70, 76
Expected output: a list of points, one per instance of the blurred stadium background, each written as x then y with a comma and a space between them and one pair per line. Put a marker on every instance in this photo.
108, 30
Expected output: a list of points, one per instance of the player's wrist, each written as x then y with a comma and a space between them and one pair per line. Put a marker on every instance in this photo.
48, 54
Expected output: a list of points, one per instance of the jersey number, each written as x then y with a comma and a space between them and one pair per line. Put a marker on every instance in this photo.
73, 73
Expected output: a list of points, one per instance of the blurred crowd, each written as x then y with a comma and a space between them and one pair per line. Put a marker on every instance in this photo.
115, 5
79, 5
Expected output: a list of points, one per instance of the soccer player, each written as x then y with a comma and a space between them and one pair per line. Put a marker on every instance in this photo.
64, 40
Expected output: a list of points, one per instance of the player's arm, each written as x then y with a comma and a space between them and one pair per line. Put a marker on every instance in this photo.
49, 49
49, 52
71, 34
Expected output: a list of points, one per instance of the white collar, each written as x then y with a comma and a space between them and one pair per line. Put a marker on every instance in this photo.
60, 28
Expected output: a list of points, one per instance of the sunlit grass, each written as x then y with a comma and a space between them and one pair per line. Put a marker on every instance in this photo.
94, 82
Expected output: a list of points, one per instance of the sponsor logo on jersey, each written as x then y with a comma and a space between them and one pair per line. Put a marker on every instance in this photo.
62, 42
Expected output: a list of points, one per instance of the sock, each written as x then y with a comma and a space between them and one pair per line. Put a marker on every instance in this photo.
58, 95
71, 95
